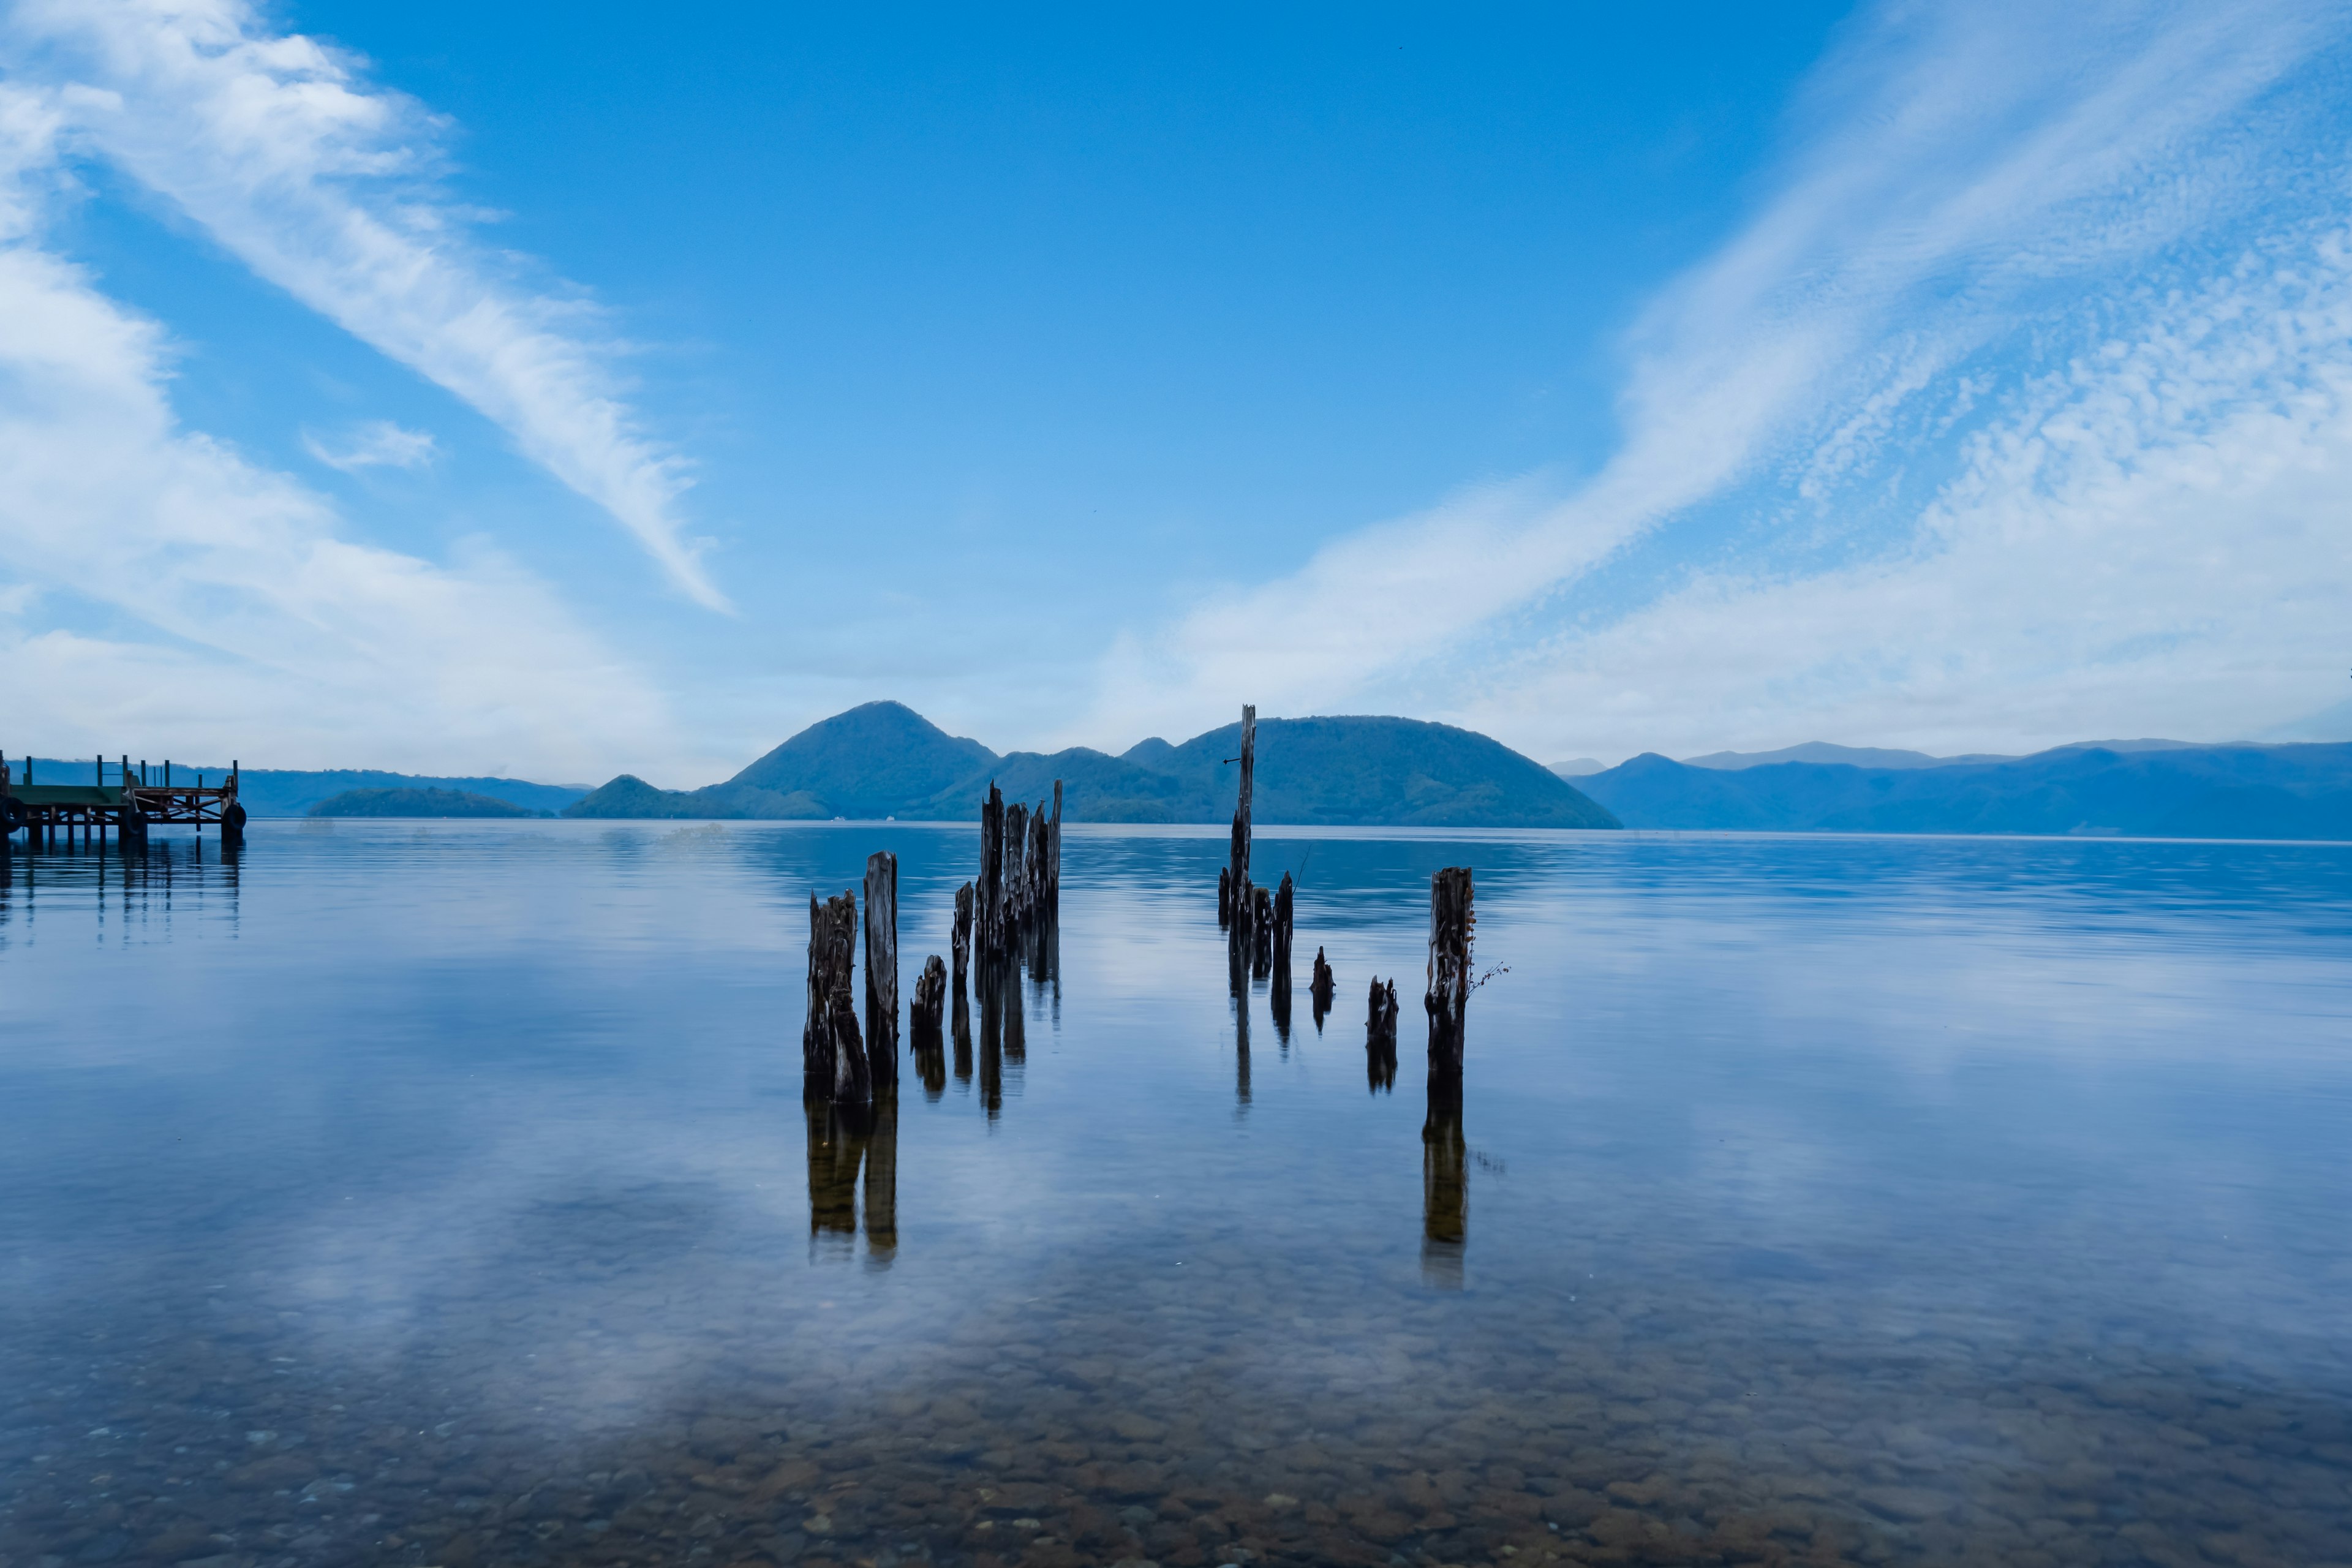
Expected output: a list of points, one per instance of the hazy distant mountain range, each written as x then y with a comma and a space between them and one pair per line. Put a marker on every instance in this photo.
885, 760
2152, 788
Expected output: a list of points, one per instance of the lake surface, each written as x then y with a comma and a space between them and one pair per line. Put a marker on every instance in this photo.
444, 1194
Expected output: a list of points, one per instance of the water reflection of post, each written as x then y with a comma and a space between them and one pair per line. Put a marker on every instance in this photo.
1445, 1181
1241, 1051
990, 983
834, 1150
842, 1138
882, 1181
962, 1037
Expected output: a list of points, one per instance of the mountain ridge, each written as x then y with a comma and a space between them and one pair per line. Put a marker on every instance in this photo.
883, 759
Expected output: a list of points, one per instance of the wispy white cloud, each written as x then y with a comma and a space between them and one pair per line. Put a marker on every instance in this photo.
225, 604
1967, 177
2156, 539
371, 444
324, 184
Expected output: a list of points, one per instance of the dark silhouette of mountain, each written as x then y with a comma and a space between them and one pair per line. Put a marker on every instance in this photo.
414, 801
872, 761
884, 760
879, 759
2169, 790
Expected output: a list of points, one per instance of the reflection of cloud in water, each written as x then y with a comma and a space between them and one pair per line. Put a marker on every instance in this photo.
1877, 1143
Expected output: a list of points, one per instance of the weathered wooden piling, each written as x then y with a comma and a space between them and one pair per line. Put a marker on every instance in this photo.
833, 1056
1233, 888
882, 964
1224, 898
1381, 1036
1321, 987
1451, 924
989, 893
1054, 858
929, 1008
1261, 933
1012, 859
960, 942
1240, 846
1284, 897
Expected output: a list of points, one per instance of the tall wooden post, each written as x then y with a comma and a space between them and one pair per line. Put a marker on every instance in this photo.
1452, 922
1239, 886
989, 893
960, 943
1014, 861
882, 966
1054, 858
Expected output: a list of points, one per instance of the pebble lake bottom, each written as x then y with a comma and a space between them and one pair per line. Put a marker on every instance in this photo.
442, 1194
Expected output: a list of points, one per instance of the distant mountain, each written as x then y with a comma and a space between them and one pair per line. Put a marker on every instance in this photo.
884, 760
415, 802
290, 791
1819, 752
1882, 757
2168, 790
1578, 768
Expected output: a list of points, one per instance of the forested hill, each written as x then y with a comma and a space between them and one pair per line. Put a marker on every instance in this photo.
885, 760
2174, 791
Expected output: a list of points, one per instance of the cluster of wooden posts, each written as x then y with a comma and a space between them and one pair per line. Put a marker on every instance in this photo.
1014, 900
1258, 936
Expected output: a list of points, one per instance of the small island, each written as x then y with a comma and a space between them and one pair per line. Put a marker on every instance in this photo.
417, 802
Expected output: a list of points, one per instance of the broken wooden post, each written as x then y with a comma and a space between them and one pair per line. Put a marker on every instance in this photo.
1054, 858
1012, 859
833, 1057
1035, 893
989, 895
1322, 988
882, 964
1224, 898
960, 939
1452, 922
1284, 897
1379, 1035
1261, 933
924, 1019
1242, 806
929, 1009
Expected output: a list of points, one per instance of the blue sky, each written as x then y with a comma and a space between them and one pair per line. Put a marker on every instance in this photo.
431, 387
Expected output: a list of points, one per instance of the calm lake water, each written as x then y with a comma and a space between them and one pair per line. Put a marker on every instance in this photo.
444, 1194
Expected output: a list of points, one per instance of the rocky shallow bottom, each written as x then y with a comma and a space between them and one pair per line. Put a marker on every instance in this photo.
1234, 1419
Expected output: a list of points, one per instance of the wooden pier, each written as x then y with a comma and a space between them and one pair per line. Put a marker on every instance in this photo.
118, 796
